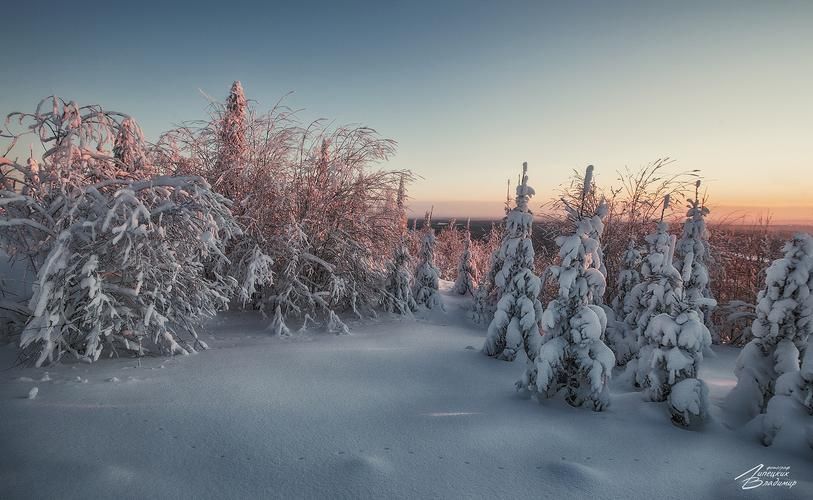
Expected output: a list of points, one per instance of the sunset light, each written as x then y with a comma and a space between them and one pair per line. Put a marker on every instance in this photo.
358, 249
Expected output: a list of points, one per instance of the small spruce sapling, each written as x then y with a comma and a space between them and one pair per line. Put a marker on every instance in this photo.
466, 270
397, 296
427, 274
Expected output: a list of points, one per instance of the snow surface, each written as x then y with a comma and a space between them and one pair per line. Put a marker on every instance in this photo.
402, 408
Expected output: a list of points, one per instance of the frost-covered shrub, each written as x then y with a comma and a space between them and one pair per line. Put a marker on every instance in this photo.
572, 356
131, 271
252, 269
774, 370
293, 294
307, 196
122, 261
397, 296
427, 274
516, 320
484, 302
466, 270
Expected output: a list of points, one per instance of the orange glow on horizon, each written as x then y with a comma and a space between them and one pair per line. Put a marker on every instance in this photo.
780, 212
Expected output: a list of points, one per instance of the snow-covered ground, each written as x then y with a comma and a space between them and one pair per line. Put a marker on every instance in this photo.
398, 409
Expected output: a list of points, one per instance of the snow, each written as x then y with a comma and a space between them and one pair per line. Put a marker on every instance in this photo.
688, 398
402, 408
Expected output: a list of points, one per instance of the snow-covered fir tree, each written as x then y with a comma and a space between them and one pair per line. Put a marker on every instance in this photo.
397, 296
484, 301
427, 274
516, 321
597, 229
657, 293
691, 256
466, 270
677, 340
577, 213
792, 402
571, 355
774, 368
628, 276
619, 337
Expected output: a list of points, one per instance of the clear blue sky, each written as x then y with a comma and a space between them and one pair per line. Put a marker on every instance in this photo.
469, 89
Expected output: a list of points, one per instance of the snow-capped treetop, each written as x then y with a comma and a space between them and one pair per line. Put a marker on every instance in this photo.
658, 260
578, 271
667, 201
692, 253
507, 205
524, 191
588, 181
518, 234
232, 144
234, 120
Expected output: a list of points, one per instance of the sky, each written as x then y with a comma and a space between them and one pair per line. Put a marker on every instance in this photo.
469, 89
